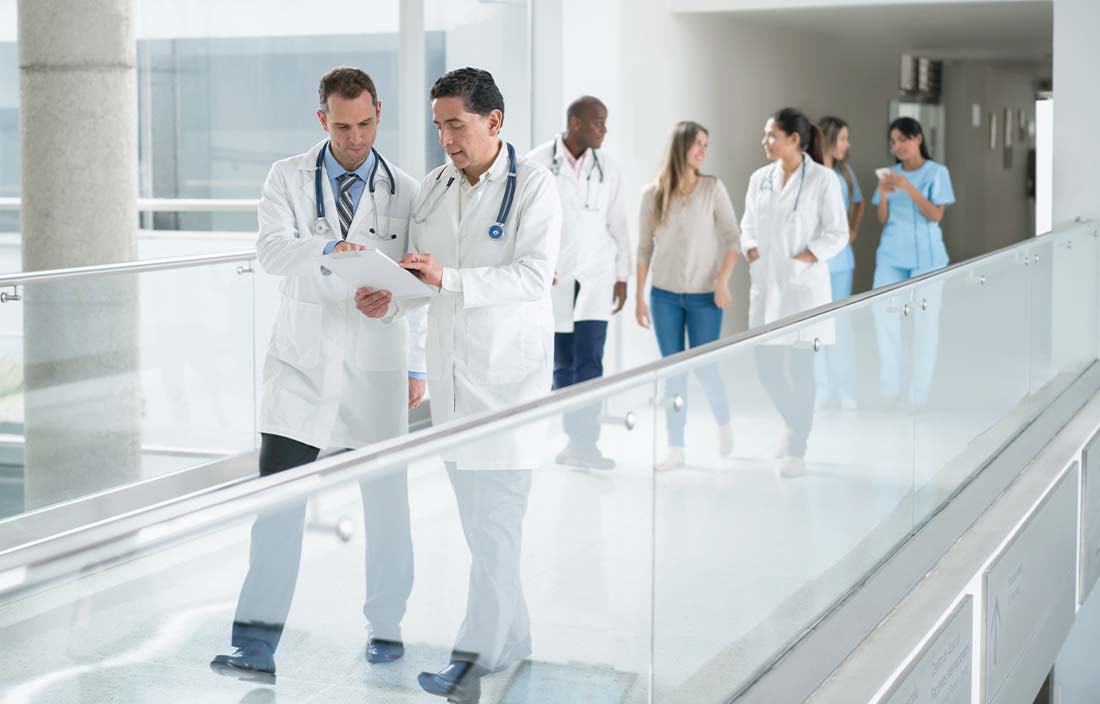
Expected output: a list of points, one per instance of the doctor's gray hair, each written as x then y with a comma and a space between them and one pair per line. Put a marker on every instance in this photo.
349, 82
475, 86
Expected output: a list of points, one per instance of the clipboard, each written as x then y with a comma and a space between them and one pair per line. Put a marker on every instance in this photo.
371, 267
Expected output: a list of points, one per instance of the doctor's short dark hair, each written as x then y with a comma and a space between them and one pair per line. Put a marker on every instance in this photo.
475, 86
347, 81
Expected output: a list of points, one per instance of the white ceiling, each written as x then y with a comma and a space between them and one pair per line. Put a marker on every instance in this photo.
990, 30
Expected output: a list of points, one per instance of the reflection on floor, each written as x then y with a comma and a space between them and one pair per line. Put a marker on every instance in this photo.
726, 559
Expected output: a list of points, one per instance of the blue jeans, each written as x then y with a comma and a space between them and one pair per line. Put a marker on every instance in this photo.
695, 314
835, 366
925, 339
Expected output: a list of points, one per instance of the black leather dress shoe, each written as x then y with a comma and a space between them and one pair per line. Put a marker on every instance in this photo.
251, 663
460, 682
380, 650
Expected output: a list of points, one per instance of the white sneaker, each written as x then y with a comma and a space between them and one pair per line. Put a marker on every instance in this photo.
725, 440
792, 468
673, 460
784, 446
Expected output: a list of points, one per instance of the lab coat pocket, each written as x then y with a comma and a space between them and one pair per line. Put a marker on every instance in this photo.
380, 346
755, 272
502, 347
296, 338
800, 272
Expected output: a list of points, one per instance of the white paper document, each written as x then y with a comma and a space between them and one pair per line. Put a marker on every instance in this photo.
371, 267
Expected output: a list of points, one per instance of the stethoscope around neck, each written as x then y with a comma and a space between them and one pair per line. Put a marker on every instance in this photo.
767, 186
496, 230
555, 168
321, 228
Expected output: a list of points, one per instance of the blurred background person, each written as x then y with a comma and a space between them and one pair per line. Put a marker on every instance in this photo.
794, 222
593, 266
917, 192
688, 236
835, 367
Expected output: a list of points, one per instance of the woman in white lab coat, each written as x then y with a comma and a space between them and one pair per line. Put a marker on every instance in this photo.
794, 222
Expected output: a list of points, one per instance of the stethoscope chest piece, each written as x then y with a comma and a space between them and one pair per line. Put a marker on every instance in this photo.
496, 232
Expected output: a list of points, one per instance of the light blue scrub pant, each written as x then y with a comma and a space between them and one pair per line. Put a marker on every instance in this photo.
835, 367
925, 335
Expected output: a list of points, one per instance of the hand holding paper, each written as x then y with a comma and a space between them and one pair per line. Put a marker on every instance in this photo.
372, 269
425, 267
371, 303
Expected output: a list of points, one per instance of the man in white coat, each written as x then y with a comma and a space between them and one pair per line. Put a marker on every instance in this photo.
486, 231
593, 266
343, 368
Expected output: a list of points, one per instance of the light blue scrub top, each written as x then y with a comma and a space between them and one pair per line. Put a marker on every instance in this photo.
910, 240
845, 260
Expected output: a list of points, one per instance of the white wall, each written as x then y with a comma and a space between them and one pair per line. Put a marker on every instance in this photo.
1077, 109
992, 209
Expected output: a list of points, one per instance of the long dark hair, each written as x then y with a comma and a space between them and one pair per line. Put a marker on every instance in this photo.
911, 129
793, 121
830, 127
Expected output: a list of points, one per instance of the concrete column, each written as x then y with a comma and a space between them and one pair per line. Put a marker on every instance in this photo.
79, 169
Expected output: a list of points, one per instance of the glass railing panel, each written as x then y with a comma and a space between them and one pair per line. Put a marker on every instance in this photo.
116, 378
1041, 369
752, 548
968, 336
12, 499
197, 360
1073, 310
523, 565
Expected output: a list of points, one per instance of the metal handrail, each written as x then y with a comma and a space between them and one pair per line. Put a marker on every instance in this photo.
242, 499
138, 267
172, 205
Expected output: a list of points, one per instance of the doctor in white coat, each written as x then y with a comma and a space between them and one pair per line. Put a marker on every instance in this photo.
593, 266
486, 231
794, 222
343, 368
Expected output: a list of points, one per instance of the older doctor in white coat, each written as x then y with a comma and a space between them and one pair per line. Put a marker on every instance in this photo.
794, 222
342, 369
486, 231
593, 266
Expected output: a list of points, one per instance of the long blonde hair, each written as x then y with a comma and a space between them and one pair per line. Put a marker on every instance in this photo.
675, 167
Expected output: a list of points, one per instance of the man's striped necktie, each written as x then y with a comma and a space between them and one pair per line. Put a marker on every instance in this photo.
344, 205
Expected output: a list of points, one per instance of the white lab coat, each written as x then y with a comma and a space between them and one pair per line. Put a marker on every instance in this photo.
332, 376
782, 286
490, 338
595, 241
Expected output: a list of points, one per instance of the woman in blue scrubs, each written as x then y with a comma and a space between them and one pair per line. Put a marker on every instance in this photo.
836, 367
917, 191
